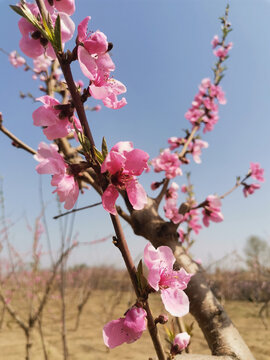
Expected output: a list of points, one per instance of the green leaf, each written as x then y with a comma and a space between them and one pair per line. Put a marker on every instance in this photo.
57, 34
17, 10
140, 268
48, 27
99, 155
86, 144
25, 12
104, 147
84, 141
142, 282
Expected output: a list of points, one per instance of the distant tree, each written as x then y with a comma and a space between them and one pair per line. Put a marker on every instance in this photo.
257, 253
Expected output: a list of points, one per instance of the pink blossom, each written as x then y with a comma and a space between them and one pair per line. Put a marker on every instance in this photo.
256, 171
196, 151
212, 210
171, 209
172, 192
181, 234
41, 63
155, 185
93, 58
79, 84
219, 94
15, 59
96, 108
193, 220
223, 51
33, 44
168, 162
125, 330
204, 108
162, 277
56, 125
215, 41
249, 189
65, 6
108, 93
184, 188
175, 142
182, 340
124, 163
51, 162
39, 229
96, 64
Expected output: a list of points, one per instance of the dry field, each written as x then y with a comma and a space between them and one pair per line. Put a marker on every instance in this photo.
86, 343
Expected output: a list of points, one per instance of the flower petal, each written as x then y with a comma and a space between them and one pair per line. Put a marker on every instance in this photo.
136, 194
136, 161
113, 163
108, 199
162, 257
114, 334
136, 319
175, 301
87, 63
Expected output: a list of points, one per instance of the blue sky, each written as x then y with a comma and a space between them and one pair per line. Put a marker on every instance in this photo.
162, 51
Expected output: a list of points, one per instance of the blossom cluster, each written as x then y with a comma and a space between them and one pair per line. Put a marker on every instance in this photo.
15, 59
32, 43
212, 210
221, 50
171, 209
56, 122
168, 162
96, 64
256, 172
194, 147
204, 107
51, 162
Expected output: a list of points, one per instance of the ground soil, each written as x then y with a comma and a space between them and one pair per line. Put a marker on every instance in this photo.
86, 343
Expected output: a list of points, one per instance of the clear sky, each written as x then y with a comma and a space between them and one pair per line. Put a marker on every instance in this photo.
162, 51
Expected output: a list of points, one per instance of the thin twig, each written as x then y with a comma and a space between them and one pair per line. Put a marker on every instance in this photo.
189, 139
163, 191
75, 210
17, 142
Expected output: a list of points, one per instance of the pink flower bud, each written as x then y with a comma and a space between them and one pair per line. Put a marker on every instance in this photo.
182, 340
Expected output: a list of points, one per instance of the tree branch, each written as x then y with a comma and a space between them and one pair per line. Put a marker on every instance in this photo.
123, 214
16, 141
50, 282
75, 210
159, 198
13, 313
